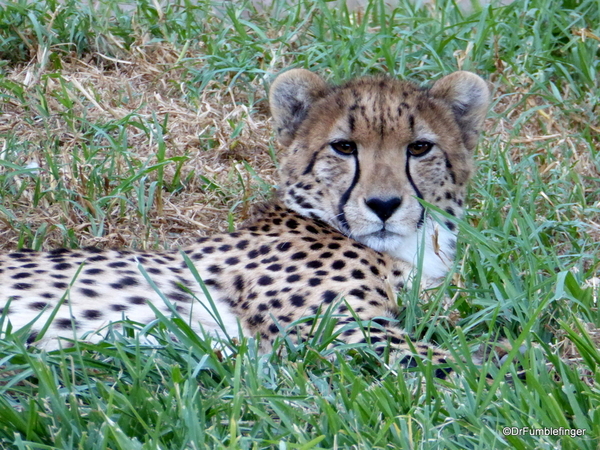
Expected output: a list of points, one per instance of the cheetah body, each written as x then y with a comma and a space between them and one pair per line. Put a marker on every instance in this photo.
268, 275
346, 231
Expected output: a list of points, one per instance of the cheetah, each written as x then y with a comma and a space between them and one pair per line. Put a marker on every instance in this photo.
346, 229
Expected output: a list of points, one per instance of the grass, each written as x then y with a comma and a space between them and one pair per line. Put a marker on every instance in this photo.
146, 126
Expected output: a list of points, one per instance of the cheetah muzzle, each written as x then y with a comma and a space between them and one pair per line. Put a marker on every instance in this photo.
364, 161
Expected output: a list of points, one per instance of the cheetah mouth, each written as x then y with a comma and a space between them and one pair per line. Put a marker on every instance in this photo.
383, 235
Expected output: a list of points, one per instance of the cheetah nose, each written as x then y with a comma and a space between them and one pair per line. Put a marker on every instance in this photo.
384, 208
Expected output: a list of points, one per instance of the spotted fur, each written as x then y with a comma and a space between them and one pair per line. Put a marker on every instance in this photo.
344, 233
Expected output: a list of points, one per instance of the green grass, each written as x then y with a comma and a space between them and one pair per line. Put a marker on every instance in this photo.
104, 101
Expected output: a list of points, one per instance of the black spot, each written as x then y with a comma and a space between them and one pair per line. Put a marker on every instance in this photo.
442, 373
224, 248
65, 324
265, 228
48, 295
253, 254
23, 286
242, 244
232, 261
58, 251
214, 269
339, 278
292, 224
333, 245
381, 292
274, 267
211, 282
316, 246
284, 246
238, 283
208, 250
29, 266
357, 293
116, 307
20, 275
383, 322
314, 264
87, 281
256, 319
358, 274
291, 269
337, 265
297, 300
350, 254
273, 328
329, 296
154, 270
314, 281
264, 249
58, 276
92, 314
93, 271
298, 255
32, 337
450, 225
251, 266
275, 303
374, 270
129, 281
60, 285
397, 340
286, 319
117, 264
312, 229
62, 266
89, 292
293, 278
262, 307
265, 280
137, 300
38, 305
269, 260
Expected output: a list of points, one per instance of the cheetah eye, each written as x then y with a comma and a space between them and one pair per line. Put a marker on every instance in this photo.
344, 147
419, 148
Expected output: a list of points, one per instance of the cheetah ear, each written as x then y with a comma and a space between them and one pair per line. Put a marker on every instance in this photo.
290, 97
469, 97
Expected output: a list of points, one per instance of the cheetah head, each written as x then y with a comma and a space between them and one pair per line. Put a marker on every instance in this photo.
367, 156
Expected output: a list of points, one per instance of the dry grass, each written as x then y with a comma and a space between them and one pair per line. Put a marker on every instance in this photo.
149, 83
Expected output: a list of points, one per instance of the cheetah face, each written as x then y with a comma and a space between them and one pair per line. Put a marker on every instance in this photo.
368, 155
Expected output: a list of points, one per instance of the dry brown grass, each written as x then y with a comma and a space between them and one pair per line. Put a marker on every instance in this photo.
545, 135
148, 82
